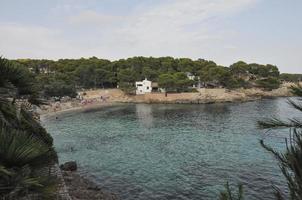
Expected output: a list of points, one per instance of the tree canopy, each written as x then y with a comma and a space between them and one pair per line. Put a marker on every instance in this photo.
101, 73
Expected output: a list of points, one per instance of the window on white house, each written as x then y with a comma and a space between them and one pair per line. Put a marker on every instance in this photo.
147, 88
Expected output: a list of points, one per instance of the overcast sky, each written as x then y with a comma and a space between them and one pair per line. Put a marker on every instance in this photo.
225, 31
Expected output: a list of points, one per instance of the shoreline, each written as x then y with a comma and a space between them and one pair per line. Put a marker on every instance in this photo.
94, 99
45, 115
77, 185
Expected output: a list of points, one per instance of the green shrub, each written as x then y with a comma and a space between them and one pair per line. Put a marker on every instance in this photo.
268, 83
59, 89
234, 83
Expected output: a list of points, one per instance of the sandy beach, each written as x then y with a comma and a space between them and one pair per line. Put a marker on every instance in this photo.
65, 109
94, 99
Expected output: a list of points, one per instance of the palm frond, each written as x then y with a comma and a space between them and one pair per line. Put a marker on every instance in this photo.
295, 104
17, 81
290, 164
24, 182
228, 194
18, 148
274, 123
4, 171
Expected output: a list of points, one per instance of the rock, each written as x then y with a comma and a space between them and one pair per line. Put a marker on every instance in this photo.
92, 187
69, 166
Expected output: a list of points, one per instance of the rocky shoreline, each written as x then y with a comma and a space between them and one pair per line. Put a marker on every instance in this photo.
81, 188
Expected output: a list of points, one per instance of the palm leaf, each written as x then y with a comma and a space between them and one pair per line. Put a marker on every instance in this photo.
18, 148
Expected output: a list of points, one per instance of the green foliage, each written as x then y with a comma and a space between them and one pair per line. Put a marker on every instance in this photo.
175, 82
269, 83
181, 81
18, 148
219, 76
99, 73
166, 81
290, 163
25, 146
264, 71
16, 81
234, 83
296, 90
291, 77
229, 195
16, 118
20, 155
59, 89
240, 69
126, 76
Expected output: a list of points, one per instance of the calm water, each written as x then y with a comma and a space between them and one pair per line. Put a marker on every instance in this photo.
173, 151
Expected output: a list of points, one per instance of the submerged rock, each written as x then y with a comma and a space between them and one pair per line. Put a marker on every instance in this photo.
69, 166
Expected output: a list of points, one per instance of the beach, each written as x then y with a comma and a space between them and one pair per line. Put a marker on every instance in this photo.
93, 99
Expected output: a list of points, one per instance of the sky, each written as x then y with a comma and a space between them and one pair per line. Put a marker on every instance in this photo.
225, 31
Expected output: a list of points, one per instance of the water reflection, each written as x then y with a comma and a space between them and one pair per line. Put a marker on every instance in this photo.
144, 114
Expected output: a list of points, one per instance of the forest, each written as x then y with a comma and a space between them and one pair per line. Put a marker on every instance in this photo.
65, 76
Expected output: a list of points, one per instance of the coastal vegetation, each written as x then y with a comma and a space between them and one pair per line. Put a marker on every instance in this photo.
26, 149
64, 76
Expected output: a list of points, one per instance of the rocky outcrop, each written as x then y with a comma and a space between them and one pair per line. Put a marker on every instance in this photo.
69, 166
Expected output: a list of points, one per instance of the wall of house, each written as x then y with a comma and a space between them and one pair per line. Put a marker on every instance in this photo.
143, 87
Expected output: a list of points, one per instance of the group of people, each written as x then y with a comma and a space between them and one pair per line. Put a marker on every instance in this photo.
93, 100
61, 104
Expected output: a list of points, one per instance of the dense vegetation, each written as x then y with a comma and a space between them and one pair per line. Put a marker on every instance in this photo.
25, 147
291, 77
100, 73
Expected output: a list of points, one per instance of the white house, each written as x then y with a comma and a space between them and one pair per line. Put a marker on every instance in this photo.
193, 77
143, 87
190, 76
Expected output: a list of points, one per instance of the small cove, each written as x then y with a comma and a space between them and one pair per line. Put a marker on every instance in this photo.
145, 151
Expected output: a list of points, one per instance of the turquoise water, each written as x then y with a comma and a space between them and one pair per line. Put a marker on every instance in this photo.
173, 151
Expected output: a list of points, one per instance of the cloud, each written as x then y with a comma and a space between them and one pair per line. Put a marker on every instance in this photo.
178, 28
33, 41
210, 29
90, 17
170, 27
